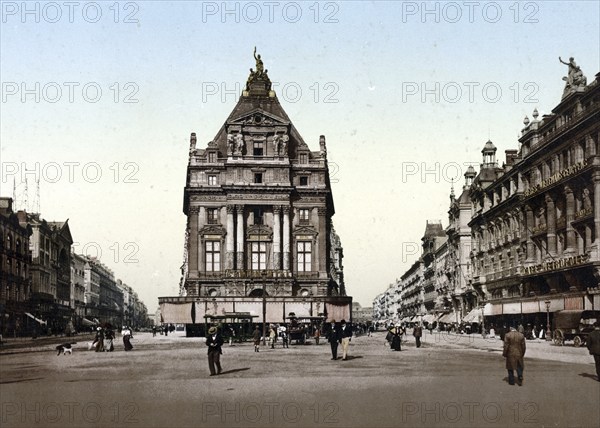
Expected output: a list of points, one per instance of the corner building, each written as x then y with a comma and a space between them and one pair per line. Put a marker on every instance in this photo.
259, 206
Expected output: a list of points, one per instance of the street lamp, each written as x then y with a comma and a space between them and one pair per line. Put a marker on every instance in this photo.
548, 332
264, 305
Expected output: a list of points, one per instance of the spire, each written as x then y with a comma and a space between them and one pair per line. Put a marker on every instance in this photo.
258, 83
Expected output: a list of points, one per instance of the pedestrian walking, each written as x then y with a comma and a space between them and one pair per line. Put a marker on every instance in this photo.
334, 337
593, 345
346, 339
126, 332
153, 331
272, 336
256, 337
514, 351
214, 341
109, 336
99, 340
418, 333
317, 335
284, 337
396, 343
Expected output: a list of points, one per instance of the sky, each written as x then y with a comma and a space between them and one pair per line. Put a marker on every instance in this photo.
99, 100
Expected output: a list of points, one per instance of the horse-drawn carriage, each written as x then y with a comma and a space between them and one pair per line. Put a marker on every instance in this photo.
301, 328
573, 325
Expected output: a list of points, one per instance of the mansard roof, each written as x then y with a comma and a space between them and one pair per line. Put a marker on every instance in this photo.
259, 107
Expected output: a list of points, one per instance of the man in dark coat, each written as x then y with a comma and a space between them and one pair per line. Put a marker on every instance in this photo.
214, 341
593, 345
418, 332
334, 337
514, 351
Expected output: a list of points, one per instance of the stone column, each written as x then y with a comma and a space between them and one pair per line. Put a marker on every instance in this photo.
193, 243
286, 238
321, 250
596, 245
551, 225
229, 243
530, 224
276, 237
570, 208
240, 237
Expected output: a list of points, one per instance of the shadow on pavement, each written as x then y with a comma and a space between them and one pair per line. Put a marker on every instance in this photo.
235, 370
591, 376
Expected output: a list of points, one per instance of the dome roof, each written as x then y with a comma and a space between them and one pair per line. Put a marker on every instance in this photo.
489, 147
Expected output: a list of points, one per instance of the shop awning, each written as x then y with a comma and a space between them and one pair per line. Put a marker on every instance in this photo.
429, 318
448, 318
473, 316
87, 322
37, 319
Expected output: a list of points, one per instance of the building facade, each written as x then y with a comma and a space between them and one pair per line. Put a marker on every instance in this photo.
15, 261
524, 237
259, 207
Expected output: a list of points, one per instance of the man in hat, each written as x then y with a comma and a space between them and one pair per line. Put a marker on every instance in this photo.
214, 341
334, 337
593, 345
346, 333
418, 333
514, 351
256, 338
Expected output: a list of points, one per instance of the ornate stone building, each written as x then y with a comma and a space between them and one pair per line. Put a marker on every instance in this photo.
535, 222
259, 207
15, 261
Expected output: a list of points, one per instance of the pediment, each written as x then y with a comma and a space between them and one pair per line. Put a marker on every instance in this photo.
212, 230
259, 117
259, 232
305, 230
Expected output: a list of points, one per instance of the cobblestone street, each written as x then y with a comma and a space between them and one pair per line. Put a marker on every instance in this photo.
165, 382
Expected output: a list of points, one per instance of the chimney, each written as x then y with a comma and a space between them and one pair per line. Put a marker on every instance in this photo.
511, 157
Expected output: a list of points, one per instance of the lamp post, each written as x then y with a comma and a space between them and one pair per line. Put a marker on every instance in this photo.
548, 332
264, 305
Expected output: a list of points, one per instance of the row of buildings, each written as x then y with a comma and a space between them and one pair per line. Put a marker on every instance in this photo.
260, 242
523, 239
45, 286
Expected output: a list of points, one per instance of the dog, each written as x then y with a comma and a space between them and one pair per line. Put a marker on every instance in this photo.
64, 348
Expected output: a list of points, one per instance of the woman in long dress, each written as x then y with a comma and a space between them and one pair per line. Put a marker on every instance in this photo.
126, 332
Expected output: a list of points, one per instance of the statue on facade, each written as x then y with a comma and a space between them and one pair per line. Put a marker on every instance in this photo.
323, 146
239, 144
280, 144
575, 78
230, 144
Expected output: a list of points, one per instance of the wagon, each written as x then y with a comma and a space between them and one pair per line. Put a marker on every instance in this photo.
573, 325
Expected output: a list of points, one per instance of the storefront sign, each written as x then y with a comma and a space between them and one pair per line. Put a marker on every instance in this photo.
556, 264
574, 169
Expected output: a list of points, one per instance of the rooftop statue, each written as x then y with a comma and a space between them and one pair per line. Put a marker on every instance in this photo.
575, 78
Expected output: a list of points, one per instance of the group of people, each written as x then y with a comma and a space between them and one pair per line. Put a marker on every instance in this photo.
395, 333
339, 334
103, 341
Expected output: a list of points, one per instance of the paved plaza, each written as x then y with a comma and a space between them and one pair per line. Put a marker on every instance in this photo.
164, 382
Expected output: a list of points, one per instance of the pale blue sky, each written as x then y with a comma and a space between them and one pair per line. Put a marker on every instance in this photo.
369, 55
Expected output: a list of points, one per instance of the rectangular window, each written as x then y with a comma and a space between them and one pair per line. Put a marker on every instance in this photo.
257, 149
258, 178
213, 256
212, 180
303, 158
304, 255
259, 255
211, 216
212, 157
303, 214
304, 181
258, 216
